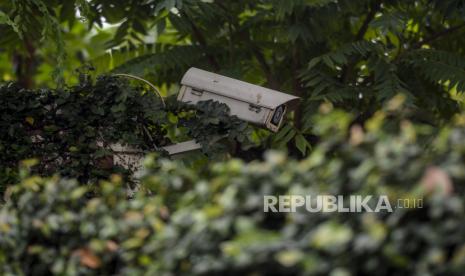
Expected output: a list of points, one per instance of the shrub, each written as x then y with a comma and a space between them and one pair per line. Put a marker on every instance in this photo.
212, 222
50, 226
69, 130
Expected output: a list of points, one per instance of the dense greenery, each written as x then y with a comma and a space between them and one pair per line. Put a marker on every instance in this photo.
213, 222
71, 131
356, 54
381, 113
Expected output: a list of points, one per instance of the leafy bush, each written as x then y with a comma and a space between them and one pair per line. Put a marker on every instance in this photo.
212, 222
69, 131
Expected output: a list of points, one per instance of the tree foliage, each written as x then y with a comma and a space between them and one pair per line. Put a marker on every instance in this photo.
355, 54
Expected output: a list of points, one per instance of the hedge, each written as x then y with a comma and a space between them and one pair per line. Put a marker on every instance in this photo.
211, 222
69, 130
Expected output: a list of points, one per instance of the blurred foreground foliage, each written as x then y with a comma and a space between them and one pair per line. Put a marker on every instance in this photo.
186, 222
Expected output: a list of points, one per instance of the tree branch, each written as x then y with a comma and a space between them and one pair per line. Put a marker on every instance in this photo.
245, 36
201, 39
297, 86
437, 35
429, 39
265, 67
371, 14
348, 70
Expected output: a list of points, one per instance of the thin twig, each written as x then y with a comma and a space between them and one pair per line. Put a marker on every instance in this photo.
150, 137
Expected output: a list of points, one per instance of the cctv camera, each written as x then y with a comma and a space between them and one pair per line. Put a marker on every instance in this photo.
258, 105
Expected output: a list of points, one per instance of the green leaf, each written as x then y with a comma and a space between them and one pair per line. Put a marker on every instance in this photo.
282, 132
313, 63
301, 143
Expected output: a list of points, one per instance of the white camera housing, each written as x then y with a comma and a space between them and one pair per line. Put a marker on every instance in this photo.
255, 104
